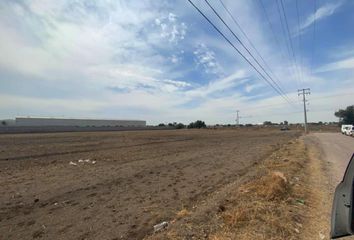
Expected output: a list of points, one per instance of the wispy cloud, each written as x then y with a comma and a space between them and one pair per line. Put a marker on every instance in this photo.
206, 59
171, 28
156, 60
338, 65
236, 79
322, 12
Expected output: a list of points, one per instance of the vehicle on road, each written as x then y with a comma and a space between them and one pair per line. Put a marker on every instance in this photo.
350, 132
346, 129
285, 128
342, 223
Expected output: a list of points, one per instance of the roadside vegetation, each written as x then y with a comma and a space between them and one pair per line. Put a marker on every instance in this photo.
276, 203
346, 116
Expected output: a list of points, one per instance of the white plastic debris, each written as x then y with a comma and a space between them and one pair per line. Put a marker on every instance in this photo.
82, 161
322, 236
160, 226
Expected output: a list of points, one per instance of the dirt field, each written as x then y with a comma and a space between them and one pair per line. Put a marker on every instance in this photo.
129, 182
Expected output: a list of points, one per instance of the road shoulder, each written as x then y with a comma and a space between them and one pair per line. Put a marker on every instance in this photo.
283, 197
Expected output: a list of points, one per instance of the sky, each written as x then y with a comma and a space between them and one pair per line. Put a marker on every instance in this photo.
161, 61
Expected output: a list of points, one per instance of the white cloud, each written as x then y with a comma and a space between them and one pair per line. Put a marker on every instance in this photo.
206, 58
250, 87
171, 29
322, 12
338, 65
231, 81
175, 59
136, 49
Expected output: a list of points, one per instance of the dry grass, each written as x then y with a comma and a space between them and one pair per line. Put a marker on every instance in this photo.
182, 213
267, 206
271, 205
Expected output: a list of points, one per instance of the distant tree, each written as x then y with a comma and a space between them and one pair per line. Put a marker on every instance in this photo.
346, 116
170, 124
267, 123
3, 123
161, 125
180, 125
286, 122
320, 123
249, 125
197, 124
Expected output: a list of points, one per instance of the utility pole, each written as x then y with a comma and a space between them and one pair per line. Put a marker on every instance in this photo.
304, 92
237, 118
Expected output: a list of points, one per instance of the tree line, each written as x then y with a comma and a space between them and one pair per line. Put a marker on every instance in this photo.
196, 124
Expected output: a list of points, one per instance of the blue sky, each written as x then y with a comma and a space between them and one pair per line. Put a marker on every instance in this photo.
162, 62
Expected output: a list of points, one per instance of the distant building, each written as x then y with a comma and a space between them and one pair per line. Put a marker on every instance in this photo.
30, 121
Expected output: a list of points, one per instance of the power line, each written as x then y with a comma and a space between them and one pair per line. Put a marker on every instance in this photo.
237, 50
272, 29
283, 104
299, 36
239, 40
271, 26
313, 35
286, 42
250, 42
289, 36
333, 95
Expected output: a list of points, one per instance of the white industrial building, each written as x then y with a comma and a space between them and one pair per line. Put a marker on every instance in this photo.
31, 121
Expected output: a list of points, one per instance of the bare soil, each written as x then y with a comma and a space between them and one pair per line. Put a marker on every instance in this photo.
130, 182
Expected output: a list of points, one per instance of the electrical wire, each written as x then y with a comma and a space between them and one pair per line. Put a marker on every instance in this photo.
279, 90
313, 36
289, 36
237, 50
299, 37
287, 43
250, 43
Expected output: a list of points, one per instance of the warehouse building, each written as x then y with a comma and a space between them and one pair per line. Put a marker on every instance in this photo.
30, 121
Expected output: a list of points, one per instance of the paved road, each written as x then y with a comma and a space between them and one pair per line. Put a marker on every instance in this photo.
337, 150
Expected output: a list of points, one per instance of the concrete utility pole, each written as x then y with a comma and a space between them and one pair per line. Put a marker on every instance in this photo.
304, 92
237, 118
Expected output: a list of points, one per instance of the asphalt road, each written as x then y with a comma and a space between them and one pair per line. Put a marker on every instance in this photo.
337, 150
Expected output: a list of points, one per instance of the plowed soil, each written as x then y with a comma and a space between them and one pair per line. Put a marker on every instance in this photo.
129, 182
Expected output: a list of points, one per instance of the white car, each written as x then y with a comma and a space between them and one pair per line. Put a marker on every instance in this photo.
350, 132
347, 129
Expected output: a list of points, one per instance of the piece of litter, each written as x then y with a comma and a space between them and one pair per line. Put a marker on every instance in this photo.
72, 163
300, 201
87, 160
80, 160
322, 236
160, 226
296, 230
298, 224
55, 204
93, 162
